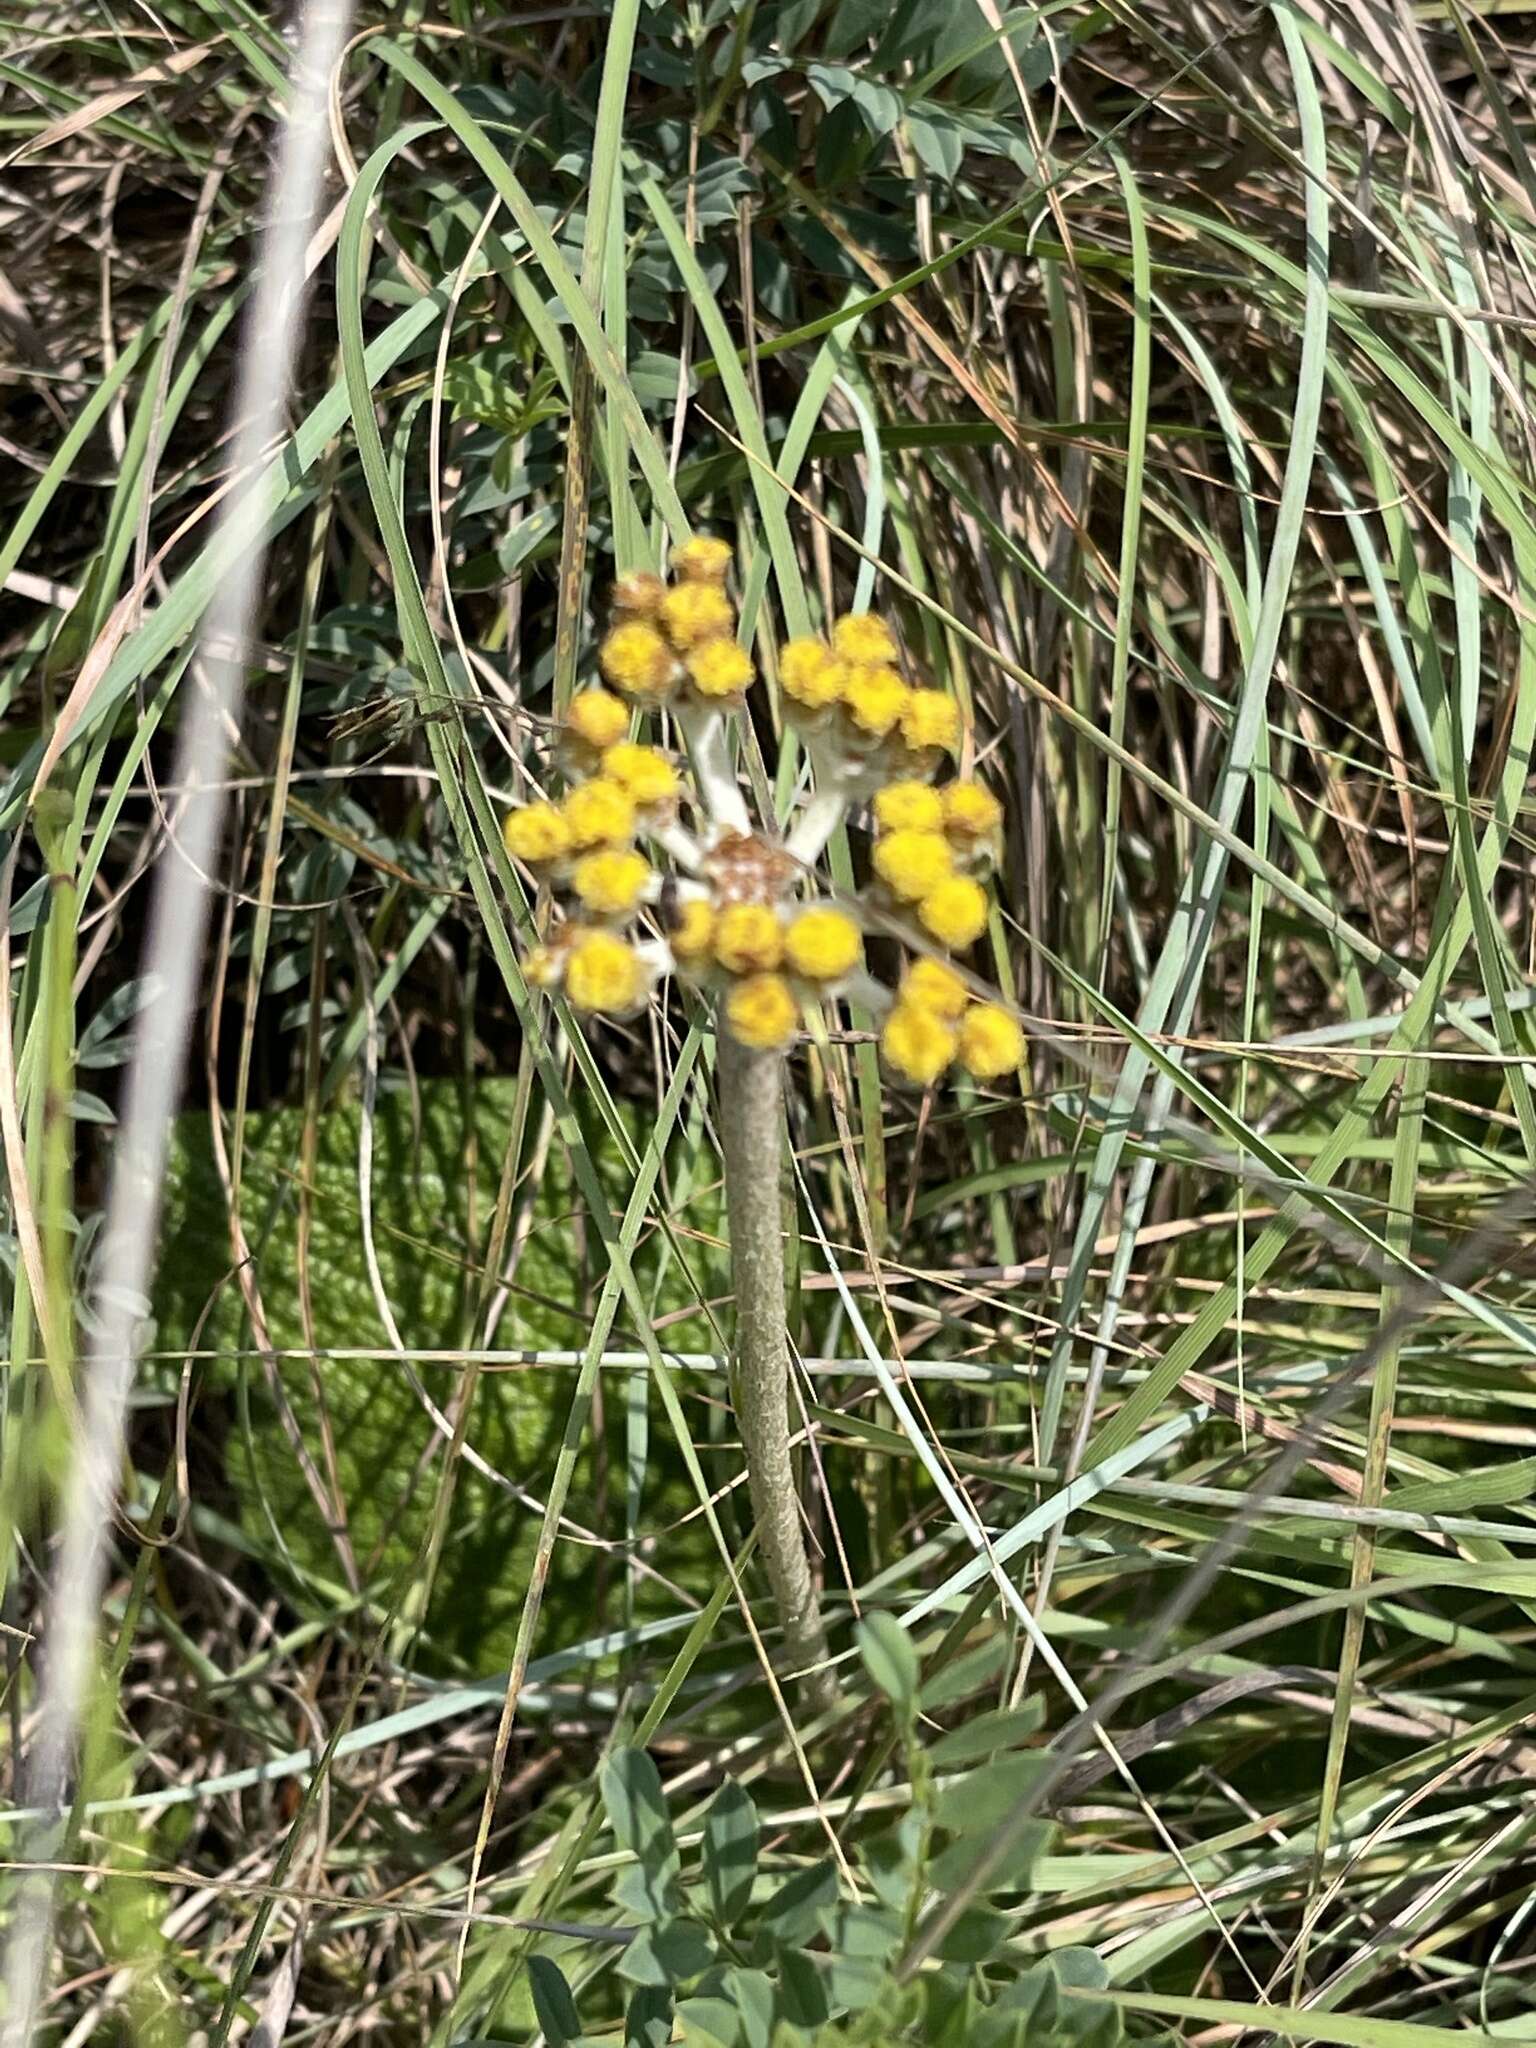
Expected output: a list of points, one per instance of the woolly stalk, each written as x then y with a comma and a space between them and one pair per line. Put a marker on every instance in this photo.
751, 1093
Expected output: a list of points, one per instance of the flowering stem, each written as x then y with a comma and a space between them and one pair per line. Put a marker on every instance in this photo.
708, 740
751, 1092
816, 824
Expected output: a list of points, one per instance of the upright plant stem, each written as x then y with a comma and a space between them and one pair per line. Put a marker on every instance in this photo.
751, 1094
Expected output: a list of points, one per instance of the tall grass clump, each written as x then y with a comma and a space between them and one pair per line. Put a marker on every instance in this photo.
948, 1458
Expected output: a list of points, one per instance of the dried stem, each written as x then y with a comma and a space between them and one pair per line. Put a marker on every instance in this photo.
751, 1094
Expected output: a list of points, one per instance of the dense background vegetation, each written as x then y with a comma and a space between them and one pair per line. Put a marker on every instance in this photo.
1164, 373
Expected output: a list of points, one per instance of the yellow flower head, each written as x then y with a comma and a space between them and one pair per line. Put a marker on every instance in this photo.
720, 668
694, 612
955, 912
913, 864
822, 945
930, 985
874, 699
636, 660
917, 1044
702, 559
604, 972
748, 938
638, 595
908, 807
612, 882
645, 772
862, 638
694, 931
598, 719
762, 1013
930, 719
536, 834
971, 811
991, 1043
599, 813
811, 674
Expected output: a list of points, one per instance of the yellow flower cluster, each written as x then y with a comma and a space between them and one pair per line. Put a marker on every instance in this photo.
771, 960
853, 690
929, 845
935, 1021
727, 919
674, 639
586, 844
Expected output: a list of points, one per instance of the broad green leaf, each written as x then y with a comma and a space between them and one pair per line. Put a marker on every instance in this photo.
984, 1734
648, 2017
980, 1799
637, 1808
889, 1658
671, 1952
730, 1853
552, 2002
793, 1913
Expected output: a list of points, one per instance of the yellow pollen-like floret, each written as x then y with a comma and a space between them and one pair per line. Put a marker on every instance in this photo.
611, 883
748, 938
874, 699
811, 674
693, 612
694, 930
603, 972
762, 1013
908, 807
991, 1043
599, 813
702, 560
638, 594
720, 668
636, 660
645, 772
823, 945
970, 811
930, 985
955, 912
861, 637
536, 833
916, 1043
930, 719
913, 864
598, 719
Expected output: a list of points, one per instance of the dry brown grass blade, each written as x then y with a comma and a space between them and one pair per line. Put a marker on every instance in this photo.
79, 119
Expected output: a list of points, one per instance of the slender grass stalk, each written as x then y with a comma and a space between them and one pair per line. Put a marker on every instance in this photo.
751, 1098
173, 955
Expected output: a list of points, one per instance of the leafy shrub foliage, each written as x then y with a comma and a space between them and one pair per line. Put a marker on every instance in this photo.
732, 1955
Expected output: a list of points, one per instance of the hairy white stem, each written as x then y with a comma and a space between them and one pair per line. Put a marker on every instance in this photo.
865, 993
713, 774
679, 842
816, 823
751, 1096
173, 966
